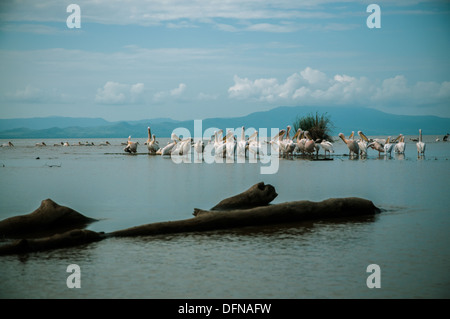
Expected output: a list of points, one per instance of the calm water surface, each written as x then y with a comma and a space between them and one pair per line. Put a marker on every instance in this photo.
322, 259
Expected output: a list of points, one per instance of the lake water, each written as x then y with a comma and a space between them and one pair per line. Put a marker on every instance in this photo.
409, 240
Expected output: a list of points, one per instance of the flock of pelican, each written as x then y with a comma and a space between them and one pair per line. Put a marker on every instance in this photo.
301, 143
230, 145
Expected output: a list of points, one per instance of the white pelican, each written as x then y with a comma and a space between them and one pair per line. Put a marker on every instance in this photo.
400, 146
9, 144
230, 144
388, 146
376, 145
185, 146
219, 145
242, 144
287, 146
199, 147
276, 141
363, 143
41, 144
310, 145
352, 145
327, 147
167, 150
420, 145
301, 141
152, 144
254, 146
131, 146
290, 145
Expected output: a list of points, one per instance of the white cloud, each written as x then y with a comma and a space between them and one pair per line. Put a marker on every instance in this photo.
173, 93
314, 87
31, 94
118, 93
179, 90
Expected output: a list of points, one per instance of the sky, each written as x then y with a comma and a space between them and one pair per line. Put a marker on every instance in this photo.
144, 59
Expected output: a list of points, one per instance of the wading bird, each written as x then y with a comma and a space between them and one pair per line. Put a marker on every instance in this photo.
351, 144
420, 145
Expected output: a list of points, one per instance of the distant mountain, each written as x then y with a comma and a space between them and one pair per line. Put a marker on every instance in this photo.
41, 123
346, 120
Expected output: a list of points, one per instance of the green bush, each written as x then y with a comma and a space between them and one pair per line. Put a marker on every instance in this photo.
318, 126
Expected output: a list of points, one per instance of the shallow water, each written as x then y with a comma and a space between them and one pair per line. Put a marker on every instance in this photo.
322, 259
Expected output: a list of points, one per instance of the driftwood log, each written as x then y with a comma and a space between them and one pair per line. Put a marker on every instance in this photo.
68, 239
264, 215
250, 208
48, 219
257, 195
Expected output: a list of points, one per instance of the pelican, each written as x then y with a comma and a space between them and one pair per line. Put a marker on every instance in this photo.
9, 144
276, 141
199, 147
351, 144
174, 148
310, 145
327, 147
230, 144
41, 144
131, 146
290, 145
363, 143
376, 145
167, 150
219, 145
420, 145
254, 146
400, 146
287, 146
185, 146
152, 144
242, 144
301, 140
388, 146
66, 144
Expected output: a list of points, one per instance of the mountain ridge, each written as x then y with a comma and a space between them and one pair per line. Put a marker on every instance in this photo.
345, 119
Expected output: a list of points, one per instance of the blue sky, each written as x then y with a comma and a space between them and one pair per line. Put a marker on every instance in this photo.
134, 60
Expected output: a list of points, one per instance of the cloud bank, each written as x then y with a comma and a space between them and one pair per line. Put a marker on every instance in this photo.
314, 87
118, 93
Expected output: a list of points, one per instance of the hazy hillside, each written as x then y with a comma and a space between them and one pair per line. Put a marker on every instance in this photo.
370, 121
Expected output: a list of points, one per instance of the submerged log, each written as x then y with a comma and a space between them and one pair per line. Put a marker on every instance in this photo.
250, 208
46, 220
257, 195
263, 215
68, 239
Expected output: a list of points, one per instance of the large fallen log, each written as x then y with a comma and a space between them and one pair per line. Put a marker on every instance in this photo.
264, 215
68, 239
250, 208
50, 218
